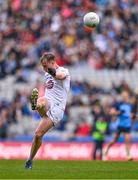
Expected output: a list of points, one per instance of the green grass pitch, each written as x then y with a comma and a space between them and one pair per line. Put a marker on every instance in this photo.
14, 169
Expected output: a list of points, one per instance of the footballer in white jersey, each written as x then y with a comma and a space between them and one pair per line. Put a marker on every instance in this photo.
56, 93
52, 105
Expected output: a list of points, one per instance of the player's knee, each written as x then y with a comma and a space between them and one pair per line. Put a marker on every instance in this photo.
40, 103
38, 134
41, 100
40, 106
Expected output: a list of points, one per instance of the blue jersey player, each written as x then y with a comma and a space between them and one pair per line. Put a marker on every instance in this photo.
123, 111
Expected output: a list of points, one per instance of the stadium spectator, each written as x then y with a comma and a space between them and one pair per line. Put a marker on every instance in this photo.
99, 132
27, 29
3, 123
83, 128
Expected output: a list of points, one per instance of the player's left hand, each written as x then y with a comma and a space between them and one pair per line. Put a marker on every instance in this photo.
52, 71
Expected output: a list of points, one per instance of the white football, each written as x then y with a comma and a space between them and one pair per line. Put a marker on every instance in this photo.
91, 19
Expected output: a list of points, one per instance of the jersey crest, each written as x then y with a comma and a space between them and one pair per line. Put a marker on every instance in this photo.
49, 83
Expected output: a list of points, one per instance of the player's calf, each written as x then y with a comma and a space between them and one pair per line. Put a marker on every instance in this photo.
42, 106
41, 110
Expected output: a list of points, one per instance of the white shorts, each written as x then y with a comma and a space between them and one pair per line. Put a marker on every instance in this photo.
55, 112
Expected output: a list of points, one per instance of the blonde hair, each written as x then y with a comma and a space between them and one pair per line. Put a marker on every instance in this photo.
47, 56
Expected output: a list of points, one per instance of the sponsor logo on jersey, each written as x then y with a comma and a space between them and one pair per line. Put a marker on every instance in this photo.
49, 84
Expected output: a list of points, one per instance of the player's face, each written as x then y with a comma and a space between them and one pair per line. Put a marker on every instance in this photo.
44, 65
47, 65
51, 64
125, 96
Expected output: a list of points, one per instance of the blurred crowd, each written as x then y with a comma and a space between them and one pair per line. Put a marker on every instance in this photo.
79, 123
13, 111
28, 27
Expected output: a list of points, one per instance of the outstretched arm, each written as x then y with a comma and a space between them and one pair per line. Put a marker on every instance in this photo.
60, 75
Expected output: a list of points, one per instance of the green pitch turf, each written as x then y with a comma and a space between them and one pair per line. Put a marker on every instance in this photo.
14, 169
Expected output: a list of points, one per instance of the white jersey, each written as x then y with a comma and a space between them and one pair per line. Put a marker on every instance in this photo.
56, 90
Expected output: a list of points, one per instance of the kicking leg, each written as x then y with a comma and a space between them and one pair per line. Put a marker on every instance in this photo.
42, 106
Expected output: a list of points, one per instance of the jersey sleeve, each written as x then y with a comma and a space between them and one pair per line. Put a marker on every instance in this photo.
116, 106
65, 71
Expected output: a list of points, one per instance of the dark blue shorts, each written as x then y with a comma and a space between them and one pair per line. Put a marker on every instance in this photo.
123, 129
